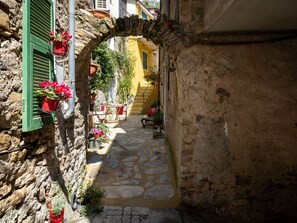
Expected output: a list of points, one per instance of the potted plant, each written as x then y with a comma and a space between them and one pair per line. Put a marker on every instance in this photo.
56, 211
51, 94
60, 42
153, 78
98, 135
99, 14
93, 69
158, 118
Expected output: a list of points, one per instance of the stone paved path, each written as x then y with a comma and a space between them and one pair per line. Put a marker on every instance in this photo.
134, 168
112, 214
135, 172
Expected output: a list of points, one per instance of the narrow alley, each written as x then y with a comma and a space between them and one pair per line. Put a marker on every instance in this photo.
135, 171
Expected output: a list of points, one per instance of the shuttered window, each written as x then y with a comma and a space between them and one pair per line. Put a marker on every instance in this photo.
102, 4
37, 60
144, 60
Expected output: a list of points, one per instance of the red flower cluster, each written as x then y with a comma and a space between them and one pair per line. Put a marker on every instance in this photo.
97, 132
64, 36
54, 90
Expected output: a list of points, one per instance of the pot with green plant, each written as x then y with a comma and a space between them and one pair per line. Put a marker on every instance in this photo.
51, 93
56, 211
61, 42
90, 199
158, 119
98, 135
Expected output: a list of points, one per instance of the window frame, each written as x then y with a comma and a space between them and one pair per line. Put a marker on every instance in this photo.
146, 66
143, 13
30, 44
107, 2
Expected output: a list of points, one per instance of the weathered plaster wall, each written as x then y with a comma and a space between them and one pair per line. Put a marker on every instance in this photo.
233, 118
44, 161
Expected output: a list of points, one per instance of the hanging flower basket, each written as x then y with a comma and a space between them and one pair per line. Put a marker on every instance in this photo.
61, 42
57, 218
93, 69
51, 93
60, 47
99, 14
49, 105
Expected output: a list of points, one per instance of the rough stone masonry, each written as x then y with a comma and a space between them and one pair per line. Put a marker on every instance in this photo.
231, 121
36, 164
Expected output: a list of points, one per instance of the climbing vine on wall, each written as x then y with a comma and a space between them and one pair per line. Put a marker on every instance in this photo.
126, 62
109, 60
103, 56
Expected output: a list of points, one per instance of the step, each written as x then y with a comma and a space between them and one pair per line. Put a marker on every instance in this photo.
137, 104
147, 93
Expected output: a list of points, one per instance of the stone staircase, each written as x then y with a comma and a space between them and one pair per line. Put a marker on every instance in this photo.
136, 108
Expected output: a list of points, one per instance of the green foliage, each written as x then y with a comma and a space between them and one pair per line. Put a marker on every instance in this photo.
103, 56
127, 62
91, 200
153, 78
158, 117
57, 206
151, 4
108, 61
154, 104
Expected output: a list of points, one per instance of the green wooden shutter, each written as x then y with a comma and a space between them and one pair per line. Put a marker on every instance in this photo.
144, 60
37, 59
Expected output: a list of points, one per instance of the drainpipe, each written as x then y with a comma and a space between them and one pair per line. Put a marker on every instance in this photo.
71, 60
177, 11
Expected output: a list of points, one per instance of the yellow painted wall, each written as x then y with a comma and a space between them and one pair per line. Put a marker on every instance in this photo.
138, 11
135, 47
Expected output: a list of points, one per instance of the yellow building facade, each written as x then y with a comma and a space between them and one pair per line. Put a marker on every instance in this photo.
146, 55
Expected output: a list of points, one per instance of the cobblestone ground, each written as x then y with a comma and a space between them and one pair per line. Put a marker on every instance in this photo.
113, 214
134, 168
135, 171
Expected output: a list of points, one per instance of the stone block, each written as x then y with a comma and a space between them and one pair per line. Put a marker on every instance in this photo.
15, 198
4, 190
17, 156
4, 17
39, 150
24, 180
5, 141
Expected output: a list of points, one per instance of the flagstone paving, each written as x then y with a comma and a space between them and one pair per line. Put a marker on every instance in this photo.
134, 169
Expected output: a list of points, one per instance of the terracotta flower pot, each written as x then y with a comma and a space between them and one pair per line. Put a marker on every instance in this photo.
93, 69
99, 14
60, 47
58, 218
49, 105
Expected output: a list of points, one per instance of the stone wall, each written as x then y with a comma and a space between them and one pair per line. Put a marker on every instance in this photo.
232, 124
36, 164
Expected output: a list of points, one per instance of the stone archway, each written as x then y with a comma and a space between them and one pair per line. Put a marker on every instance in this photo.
91, 31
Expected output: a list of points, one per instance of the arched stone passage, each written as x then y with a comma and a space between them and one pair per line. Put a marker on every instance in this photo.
91, 31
